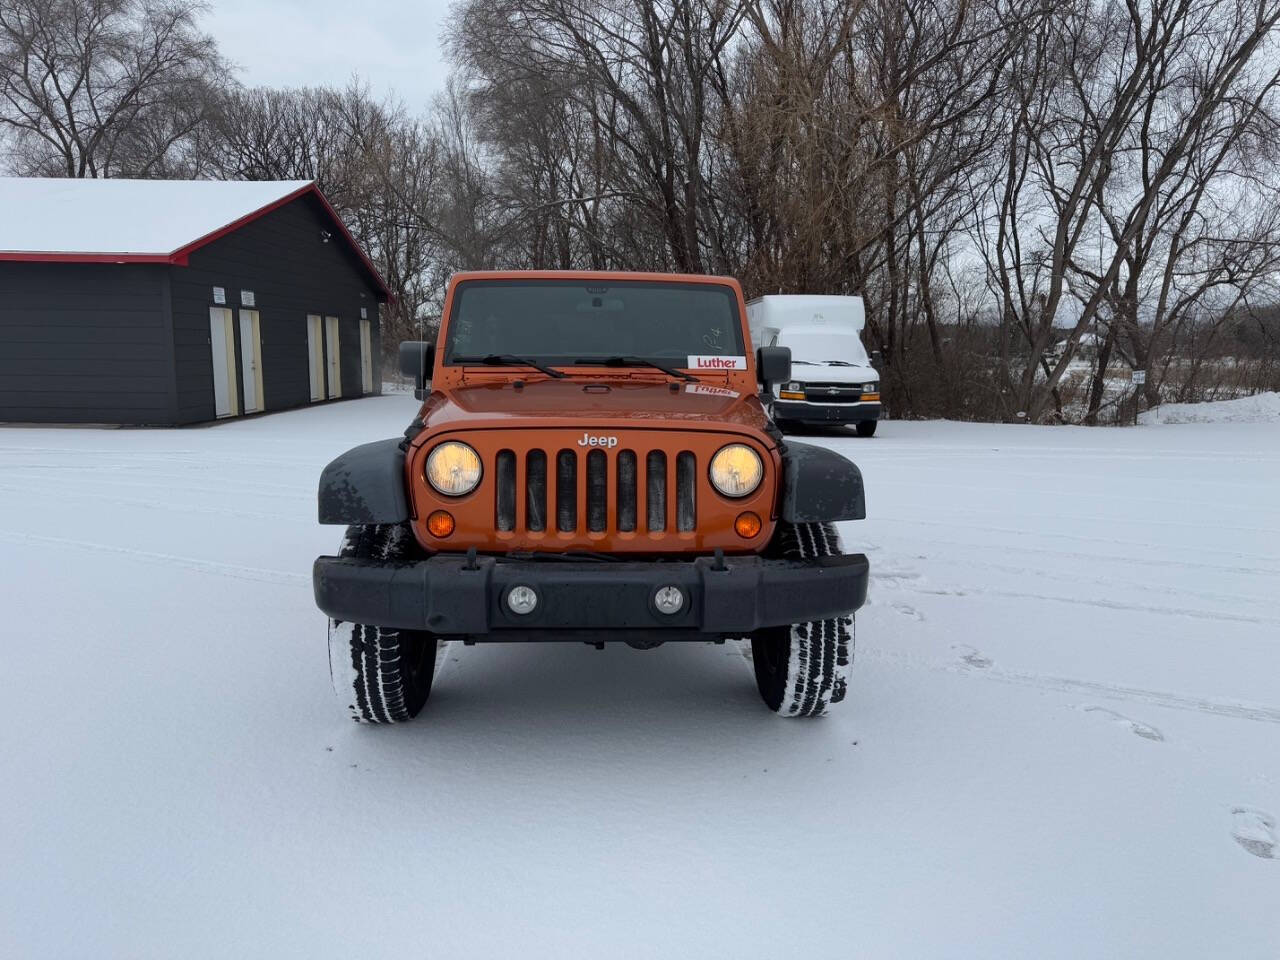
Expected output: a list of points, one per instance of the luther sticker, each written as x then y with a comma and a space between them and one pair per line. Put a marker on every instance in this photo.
717, 363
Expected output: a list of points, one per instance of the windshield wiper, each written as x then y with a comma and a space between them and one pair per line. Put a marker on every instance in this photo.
803, 363
634, 362
508, 360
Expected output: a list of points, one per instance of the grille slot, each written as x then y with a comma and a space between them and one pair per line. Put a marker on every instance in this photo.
656, 491
597, 491
627, 491
535, 502
505, 511
686, 496
566, 491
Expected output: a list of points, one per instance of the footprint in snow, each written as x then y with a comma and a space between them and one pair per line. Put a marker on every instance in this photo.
971, 657
1255, 830
1144, 730
908, 611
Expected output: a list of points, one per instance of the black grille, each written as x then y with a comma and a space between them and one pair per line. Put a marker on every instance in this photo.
505, 511
686, 508
656, 485
833, 392
597, 491
627, 491
535, 499
566, 491
626, 479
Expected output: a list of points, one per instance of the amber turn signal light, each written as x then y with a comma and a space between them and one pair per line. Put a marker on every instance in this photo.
747, 525
440, 523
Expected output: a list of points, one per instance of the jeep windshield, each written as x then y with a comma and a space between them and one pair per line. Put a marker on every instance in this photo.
616, 322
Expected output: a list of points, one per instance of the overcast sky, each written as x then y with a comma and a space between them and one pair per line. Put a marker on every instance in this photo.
393, 44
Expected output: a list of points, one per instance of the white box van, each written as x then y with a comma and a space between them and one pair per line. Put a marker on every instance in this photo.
832, 380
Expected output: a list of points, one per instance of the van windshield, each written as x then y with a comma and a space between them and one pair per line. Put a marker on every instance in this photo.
823, 345
570, 321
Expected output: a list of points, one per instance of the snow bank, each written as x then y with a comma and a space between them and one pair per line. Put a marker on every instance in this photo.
1260, 408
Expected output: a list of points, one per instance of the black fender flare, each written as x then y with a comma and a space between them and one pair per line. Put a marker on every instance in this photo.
819, 485
365, 485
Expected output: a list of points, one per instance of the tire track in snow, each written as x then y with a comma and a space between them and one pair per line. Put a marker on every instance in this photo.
1102, 557
1235, 709
171, 481
162, 505
1154, 547
1094, 602
215, 567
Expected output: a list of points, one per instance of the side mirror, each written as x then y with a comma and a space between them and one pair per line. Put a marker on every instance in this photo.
877, 358
773, 365
417, 357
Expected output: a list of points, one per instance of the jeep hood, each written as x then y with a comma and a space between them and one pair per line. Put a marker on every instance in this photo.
588, 401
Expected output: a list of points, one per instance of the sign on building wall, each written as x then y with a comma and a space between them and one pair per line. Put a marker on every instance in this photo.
246, 298
219, 295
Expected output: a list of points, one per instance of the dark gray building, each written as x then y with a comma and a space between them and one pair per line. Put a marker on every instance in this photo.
161, 302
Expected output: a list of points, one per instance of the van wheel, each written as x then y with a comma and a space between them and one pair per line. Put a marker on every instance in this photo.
866, 428
382, 674
804, 668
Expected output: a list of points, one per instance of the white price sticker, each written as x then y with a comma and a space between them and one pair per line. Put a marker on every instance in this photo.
707, 390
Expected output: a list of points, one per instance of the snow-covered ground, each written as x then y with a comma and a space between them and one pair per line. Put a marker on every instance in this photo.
1062, 738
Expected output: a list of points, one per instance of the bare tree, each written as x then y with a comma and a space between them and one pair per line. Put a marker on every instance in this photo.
99, 88
1104, 82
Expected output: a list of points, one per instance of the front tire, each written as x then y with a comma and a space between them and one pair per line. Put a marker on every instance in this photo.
866, 428
802, 669
382, 674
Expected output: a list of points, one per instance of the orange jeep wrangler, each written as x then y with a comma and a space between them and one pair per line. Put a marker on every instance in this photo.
591, 462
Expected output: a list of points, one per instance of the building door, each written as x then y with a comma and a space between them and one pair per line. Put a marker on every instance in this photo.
251, 359
366, 356
315, 355
222, 346
334, 365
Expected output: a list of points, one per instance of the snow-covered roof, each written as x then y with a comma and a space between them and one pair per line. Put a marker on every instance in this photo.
128, 217
803, 309
136, 221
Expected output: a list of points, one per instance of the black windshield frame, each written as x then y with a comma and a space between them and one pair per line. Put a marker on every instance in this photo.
722, 315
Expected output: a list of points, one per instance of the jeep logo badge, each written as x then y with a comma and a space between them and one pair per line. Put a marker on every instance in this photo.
590, 441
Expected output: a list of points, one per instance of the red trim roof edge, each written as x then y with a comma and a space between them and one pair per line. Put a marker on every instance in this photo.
63, 257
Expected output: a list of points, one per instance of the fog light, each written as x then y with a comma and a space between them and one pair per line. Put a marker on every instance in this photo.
748, 525
440, 523
668, 600
522, 599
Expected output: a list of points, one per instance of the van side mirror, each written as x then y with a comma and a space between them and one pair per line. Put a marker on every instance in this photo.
773, 365
877, 358
417, 357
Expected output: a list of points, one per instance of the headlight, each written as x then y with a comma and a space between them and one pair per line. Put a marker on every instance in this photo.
871, 387
736, 470
453, 468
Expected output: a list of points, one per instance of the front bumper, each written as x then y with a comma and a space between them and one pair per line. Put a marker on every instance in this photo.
449, 595
803, 411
